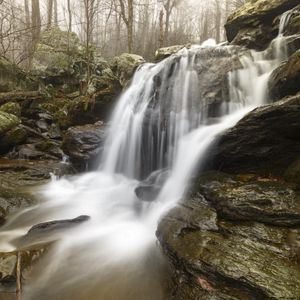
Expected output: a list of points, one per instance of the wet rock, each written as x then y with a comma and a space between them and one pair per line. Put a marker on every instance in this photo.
293, 26
12, 138
258, 37
54, 132
21, 173
83, 144
266, 141
149, 189
56, 225
251, 199
8, 263
42, 124
125, 65
44, 149
163, 53
285, 79
216, 259
252, 24
19, 177
213, 65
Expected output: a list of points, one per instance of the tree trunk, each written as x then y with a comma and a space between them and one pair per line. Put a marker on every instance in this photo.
55, 13
161, 29
218, 21
70, 16
49, 13
130, 26
36, 26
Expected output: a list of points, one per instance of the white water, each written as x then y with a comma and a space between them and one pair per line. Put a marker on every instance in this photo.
159, 123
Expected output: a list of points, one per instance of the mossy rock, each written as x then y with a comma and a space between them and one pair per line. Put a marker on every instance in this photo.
125, 65
165, 52
12, 138
7, 122
11, 108
11, 76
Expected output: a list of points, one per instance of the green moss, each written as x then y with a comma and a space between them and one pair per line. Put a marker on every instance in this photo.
8, 122
11, 108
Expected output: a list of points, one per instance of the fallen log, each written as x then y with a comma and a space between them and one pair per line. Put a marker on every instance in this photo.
20, 96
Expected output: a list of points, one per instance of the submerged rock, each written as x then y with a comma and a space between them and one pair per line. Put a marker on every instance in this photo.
83, 144
285, 79
149, 189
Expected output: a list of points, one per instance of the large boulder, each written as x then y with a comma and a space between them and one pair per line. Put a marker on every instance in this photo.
251, 198
83, 144
214, 258
266, 141
11, 108
12, 78
7, 122
165, 52
285, 79
125, 65
252, 24
11, 133
58, 59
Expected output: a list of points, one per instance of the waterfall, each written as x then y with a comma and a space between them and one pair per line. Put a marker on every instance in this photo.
161, 128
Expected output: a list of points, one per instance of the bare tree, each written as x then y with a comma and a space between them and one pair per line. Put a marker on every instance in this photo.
127, 16
49, 13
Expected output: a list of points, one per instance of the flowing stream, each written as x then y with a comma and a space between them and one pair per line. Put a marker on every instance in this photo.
160, 129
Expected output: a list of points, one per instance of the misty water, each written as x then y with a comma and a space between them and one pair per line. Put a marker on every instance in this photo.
159, 128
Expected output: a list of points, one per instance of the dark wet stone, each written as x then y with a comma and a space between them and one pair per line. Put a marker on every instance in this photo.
83, 144
285, 79
255, 17
215, 259
239, 198
266, 141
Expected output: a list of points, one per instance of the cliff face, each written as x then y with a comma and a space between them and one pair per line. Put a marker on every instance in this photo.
237, 235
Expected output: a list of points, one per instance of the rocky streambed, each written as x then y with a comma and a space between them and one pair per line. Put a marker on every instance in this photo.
236, 235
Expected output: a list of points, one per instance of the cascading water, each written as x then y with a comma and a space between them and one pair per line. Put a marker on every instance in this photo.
160, 124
